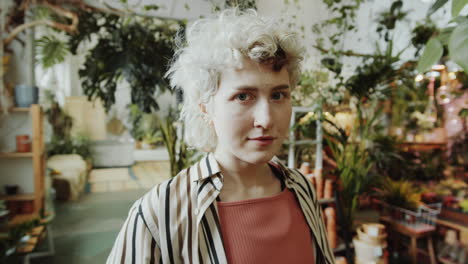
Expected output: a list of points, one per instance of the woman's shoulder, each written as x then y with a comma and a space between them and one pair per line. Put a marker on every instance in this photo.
153, 205
164, 190
165, 193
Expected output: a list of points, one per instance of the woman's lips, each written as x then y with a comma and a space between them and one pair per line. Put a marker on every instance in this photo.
263, 141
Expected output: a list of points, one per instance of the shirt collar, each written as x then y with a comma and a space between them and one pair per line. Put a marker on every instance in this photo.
207, 167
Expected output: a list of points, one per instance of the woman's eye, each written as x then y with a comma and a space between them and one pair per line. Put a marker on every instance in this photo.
278, 96
243, 97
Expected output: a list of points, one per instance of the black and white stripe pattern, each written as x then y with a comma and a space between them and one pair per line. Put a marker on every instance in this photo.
177, 221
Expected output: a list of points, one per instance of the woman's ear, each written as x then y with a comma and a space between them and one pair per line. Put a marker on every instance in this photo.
205, 115
203, 108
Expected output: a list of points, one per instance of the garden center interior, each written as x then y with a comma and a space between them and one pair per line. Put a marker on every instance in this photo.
378, 126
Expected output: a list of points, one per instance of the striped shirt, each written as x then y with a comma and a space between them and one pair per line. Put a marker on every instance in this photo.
177, 221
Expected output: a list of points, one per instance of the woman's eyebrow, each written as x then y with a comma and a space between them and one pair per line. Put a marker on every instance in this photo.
281, 87
253, 88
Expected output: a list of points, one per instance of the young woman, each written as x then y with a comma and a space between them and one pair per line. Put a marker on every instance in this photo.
239, 204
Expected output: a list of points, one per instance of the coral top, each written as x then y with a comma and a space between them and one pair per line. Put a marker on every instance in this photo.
266, 230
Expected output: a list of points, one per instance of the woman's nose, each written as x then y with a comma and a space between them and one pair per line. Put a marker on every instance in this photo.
263, 115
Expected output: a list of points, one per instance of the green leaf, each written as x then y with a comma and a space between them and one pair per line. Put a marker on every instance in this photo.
463, 112
458, 46
460, 19
50, 51
457, 6
444, 35
151, 7
431, 55
438, 4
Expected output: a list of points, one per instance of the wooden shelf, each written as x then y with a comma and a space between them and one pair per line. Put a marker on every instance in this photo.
18, 197
422, 146
16, 155
19, 109
23, 218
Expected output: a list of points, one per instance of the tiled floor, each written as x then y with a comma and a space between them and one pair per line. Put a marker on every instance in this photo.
142, 175
84, 231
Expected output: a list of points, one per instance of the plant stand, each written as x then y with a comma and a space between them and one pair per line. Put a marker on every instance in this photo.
50, 247
396, 229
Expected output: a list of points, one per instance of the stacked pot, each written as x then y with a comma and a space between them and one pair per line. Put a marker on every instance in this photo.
370, 244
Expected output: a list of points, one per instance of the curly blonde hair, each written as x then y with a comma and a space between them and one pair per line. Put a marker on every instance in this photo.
211, 45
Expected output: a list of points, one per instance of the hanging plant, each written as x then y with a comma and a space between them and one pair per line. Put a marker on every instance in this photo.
453, 38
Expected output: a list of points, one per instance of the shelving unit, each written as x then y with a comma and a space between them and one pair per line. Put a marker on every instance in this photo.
37, 156
292, 142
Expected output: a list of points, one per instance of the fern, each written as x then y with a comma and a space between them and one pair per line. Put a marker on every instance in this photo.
400, 193
50, 51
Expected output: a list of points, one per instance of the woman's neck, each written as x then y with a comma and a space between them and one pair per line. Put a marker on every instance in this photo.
243, 180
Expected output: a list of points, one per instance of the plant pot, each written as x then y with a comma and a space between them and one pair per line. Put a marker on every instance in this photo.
23, 143
11, 189
376, 239
27, 207
26, 95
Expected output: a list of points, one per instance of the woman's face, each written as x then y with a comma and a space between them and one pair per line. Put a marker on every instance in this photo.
251, 112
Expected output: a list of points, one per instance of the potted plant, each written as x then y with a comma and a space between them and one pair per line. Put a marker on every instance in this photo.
145, 128
180, 156
399, 193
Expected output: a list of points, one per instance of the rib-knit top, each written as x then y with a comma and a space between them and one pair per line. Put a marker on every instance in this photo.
266, 230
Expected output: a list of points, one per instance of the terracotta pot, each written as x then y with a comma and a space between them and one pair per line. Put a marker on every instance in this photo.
319, 183
27, 207
23, 143
328, 190
330, 215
